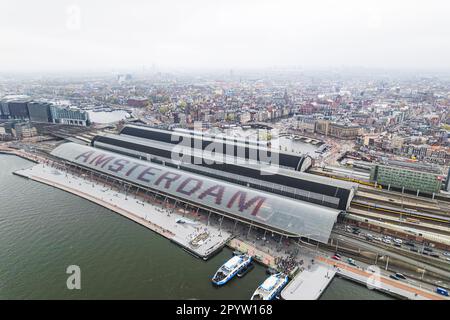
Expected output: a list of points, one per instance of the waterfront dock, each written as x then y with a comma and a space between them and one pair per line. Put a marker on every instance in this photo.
197, 238
377, 281
258, 255
203, 240
309, 284
19, 153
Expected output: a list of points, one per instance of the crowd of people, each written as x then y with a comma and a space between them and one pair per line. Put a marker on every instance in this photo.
286, 264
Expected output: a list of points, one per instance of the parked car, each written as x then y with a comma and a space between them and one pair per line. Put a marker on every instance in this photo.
445, 253
400, 276
378, 239
393, 276
409, 243
428, 249
434, 255
414, 250
335, 257
371, 269
351, 262
399, 241
385, 240
442, 291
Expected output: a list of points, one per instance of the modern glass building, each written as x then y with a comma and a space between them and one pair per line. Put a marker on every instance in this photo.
40, 111
410, 180
69, 115
18, 109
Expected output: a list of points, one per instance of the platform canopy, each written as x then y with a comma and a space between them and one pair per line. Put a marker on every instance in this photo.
280, 214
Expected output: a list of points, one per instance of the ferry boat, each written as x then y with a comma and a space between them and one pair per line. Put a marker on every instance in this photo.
245, 270
271, 287
230, 268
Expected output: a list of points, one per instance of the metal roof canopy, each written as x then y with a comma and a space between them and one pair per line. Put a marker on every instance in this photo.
192, 137
314, 186
298, 193
292, 216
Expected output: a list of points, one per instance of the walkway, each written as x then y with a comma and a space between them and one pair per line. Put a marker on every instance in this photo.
380, 282
309, 284
196, 237
257, 254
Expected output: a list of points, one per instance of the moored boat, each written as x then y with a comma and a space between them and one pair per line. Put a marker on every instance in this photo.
271, 287
245, 270
229, 269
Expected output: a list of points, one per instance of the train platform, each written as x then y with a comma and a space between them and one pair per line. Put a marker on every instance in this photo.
430, 236
195, 237
310, 283
399, 201
416, 224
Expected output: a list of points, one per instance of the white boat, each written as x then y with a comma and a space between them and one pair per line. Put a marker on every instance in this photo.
271, 287
230, 268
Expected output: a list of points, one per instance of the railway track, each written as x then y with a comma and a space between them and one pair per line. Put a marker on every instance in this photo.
407, 213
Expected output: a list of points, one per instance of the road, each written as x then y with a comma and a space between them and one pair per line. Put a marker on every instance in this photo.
384, 252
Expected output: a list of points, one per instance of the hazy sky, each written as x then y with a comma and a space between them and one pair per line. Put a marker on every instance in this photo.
95, 34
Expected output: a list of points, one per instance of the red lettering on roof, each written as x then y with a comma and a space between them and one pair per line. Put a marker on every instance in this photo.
196, 187
243, 205
214, 191
145, 172
86, 155
169, 177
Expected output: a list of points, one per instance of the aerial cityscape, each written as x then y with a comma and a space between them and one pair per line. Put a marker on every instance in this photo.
228, 180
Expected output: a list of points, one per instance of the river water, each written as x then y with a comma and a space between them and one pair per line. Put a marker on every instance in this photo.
44, 230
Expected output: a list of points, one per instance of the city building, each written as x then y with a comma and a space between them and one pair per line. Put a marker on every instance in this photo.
447, 181
342, 131
243, 166
4, 110
23, 130
18, 109
275, 213
69, 115
40, 111
392, 176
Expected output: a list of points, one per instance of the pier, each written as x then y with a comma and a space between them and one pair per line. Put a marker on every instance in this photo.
197, 238
309, 284
381, 282
257, 254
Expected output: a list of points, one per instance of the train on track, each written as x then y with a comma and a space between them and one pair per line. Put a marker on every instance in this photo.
406, 212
